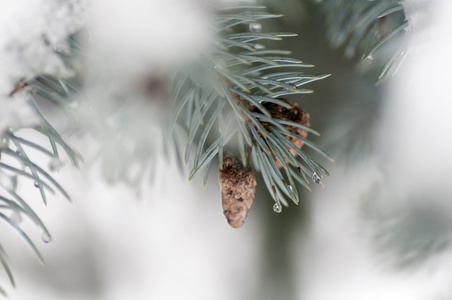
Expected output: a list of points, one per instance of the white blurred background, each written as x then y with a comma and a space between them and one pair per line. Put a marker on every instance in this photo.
380, 229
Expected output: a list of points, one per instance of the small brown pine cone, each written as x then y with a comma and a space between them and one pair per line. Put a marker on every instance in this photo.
294, 114
238, 186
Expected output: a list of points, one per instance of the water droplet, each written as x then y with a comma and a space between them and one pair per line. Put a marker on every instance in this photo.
316, 178
46, 238
7, 182
4, 142
36, 184
55, 164
277, 208
369, 58
255, 27
16, 217
290, 187
259, 46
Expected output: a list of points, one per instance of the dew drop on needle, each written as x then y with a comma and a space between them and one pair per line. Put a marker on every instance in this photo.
16, 217
46, 238
255, 27
317, 179
7, 182
277, 208
55, 164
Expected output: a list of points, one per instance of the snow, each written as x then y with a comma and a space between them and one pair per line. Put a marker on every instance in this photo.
148, 34
16, 113
30, 31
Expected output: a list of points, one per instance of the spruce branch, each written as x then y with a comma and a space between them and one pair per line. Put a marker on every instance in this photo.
372, 29
239, 89
17, 159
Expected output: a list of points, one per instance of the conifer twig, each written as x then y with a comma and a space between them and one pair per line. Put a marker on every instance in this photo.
237, 89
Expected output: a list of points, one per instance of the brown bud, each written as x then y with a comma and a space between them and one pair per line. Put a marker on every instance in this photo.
238, 186
294, 114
